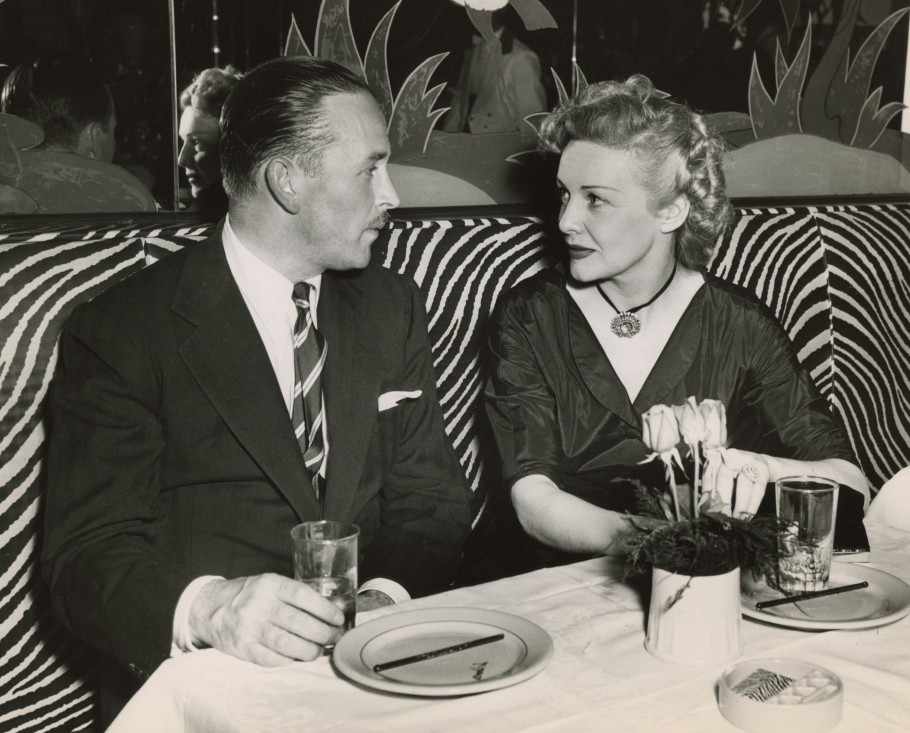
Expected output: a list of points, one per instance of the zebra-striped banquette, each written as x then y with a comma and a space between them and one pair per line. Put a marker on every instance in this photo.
837, 276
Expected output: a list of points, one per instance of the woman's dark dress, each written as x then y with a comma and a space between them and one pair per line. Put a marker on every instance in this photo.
557, 407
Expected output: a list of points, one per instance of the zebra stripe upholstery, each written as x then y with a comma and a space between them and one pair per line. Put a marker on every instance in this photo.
836, 276
869, 287
462, 267
775, 254
47, 677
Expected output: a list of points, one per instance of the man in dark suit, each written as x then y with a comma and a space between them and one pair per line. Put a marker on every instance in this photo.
174, 471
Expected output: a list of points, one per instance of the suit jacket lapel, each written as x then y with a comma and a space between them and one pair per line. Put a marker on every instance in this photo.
350, 386
226, 356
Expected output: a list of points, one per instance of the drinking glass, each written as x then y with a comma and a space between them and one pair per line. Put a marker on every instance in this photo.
807, 505
325, 558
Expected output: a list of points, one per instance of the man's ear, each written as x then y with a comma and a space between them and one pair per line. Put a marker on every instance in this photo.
89, 143
284, 181
674, 214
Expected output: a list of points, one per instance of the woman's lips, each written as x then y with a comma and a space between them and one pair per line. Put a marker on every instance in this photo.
579, 253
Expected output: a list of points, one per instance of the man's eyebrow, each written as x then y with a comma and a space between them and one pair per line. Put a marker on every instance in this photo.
377, 156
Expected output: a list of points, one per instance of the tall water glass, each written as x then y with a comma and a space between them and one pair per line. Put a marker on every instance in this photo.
325, 558
807, 505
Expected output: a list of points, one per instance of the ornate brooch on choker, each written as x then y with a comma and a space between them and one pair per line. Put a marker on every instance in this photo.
626, 324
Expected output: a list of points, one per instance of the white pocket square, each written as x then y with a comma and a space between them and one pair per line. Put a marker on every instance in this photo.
391, 399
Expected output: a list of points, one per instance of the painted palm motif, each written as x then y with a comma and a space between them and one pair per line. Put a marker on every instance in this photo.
834, 102
410, 114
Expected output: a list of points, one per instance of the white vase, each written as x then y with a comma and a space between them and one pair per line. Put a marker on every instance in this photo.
694, 619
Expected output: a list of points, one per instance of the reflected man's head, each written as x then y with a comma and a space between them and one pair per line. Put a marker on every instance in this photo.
200, 105
63, 95
305, 140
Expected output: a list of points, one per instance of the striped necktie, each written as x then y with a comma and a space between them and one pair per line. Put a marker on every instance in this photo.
309, 351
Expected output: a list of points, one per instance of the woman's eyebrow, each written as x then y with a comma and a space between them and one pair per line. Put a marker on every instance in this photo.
589, 186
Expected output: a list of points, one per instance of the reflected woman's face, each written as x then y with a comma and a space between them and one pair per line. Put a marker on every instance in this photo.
199, 150
605, 216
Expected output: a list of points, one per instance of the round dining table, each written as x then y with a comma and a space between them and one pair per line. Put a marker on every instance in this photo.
599, 677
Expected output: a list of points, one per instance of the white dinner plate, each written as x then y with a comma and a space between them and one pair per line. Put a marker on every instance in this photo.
886, 600
522, 652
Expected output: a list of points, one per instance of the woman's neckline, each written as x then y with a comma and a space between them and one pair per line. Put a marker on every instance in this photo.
635, 360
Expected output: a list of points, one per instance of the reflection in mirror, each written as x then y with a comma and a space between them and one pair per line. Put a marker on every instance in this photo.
63, 164
499, 82
414, 54
722, 58
125, 46
199, 160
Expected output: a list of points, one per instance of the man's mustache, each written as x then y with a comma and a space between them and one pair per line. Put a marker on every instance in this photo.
379, 222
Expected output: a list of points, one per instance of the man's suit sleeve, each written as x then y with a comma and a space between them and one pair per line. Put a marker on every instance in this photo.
425, 503
109, 584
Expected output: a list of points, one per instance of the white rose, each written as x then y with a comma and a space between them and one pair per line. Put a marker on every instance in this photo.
715, 417
659, 429
691, 422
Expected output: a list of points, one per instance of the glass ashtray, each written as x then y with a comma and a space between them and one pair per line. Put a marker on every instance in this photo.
773, 695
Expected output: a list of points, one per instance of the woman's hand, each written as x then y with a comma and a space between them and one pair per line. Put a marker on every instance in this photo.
735, 481
566, 522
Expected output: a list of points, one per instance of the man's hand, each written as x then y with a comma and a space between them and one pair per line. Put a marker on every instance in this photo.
267, 619
369, 599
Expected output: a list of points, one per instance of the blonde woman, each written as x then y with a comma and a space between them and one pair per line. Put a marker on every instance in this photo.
199, 155
633, 321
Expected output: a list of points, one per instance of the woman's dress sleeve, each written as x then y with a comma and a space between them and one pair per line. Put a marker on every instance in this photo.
791, 411
521, 406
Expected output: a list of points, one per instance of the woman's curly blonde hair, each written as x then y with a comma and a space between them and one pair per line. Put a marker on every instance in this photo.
676, 151
208, 90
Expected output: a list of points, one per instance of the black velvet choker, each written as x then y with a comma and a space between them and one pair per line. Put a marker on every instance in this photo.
626, 324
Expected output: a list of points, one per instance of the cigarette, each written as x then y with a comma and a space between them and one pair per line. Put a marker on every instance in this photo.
811, 594
438, 652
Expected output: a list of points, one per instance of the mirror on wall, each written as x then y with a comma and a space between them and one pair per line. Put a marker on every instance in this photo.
66, 46
767, 71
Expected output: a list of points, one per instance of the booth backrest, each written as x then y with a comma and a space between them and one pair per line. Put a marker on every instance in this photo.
837, 276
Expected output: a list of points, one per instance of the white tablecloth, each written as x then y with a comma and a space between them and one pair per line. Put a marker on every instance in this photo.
599, 678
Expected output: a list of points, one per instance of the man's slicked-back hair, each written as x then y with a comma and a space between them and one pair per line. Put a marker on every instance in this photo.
277, 110
59, 92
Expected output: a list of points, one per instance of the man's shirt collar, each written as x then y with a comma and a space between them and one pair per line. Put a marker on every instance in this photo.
266, 291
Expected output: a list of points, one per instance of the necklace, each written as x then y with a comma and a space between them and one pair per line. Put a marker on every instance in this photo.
626, 324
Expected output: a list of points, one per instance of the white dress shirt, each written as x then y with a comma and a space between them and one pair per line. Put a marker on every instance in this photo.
268, 296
